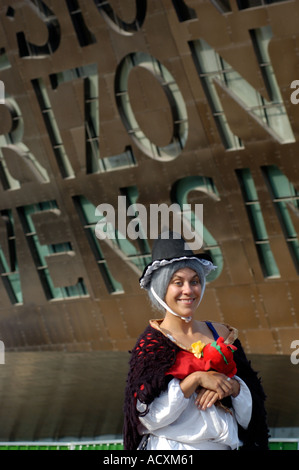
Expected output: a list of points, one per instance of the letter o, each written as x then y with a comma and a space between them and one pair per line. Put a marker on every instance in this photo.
174, 97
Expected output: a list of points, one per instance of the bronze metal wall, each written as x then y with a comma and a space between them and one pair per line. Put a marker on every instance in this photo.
67, 145
60, 67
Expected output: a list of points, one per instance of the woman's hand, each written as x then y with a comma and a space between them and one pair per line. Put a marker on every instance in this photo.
206, 398
212, 381
221, 384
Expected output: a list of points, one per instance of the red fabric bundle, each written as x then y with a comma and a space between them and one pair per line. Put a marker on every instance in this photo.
216, 356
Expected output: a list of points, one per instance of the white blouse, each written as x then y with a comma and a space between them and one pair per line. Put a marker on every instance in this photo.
175, 423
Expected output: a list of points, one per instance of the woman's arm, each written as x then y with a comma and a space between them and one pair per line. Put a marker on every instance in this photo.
242, 404
206, 398
210, 380
165, 408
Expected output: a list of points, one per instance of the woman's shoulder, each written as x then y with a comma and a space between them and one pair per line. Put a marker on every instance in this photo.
151, 335
228, 332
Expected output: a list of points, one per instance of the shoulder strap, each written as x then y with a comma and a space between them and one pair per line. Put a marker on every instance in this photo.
215, 334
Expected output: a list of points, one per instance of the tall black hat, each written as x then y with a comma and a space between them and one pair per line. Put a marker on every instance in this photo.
168, 248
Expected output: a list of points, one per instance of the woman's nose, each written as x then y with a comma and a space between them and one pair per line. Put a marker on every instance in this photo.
187, 288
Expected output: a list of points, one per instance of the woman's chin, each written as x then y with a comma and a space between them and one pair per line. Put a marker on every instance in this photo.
187, 310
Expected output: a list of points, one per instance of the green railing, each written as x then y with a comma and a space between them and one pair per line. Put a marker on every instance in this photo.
284, 444
116, 444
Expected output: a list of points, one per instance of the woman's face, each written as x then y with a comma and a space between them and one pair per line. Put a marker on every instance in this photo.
183, 292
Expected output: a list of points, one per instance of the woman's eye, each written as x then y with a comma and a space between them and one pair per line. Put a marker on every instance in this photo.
192, 283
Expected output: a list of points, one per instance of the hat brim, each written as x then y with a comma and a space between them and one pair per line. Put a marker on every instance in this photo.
204, 260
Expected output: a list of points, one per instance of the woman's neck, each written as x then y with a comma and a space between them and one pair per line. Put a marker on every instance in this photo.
176, 325
186, 333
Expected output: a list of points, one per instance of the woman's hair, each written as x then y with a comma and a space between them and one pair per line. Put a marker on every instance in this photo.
162, 277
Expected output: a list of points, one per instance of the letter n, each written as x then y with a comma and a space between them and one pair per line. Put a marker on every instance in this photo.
213, 69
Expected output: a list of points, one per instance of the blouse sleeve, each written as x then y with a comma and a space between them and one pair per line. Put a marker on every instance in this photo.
165, 409
242, 404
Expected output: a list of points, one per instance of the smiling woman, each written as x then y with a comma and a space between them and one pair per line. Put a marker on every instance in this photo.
184, 292
175, 399
183, 286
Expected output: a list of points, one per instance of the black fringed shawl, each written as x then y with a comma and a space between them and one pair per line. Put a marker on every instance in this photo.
151, 358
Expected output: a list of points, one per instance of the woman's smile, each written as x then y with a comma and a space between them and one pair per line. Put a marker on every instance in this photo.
186, 301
